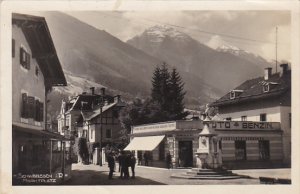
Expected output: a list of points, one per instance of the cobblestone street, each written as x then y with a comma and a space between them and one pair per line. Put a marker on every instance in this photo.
96, 175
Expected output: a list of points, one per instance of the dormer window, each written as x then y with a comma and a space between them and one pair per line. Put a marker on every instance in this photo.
266, 88
235, 93
232, 95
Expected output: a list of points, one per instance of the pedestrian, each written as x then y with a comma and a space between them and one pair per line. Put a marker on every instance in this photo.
122, 164
111, 165
169, 160
126, 166
146, 159
140, 158
132, 165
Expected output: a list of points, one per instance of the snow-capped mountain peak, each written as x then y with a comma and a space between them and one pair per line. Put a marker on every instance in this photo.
158, 33
219, 44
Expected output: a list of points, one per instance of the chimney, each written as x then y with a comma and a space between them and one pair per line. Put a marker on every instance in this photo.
103, 91
92, 90
268, 73
284, 69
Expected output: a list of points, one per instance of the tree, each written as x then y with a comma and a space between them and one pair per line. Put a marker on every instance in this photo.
168, 92
156, 81
176, 92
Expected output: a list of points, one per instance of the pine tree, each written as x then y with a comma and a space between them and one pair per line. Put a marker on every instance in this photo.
156, 80
176, 96
164, 88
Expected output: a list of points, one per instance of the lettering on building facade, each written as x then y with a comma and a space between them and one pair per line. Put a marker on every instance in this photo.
241, 125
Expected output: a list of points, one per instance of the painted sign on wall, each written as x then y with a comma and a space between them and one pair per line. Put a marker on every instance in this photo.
243, 125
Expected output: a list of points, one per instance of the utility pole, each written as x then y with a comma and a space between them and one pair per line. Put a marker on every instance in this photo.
100, 162
276, 48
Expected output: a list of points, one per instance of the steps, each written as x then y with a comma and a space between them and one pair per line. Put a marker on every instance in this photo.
208, 174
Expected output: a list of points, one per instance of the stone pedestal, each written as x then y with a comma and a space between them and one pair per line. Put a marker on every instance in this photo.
208, 154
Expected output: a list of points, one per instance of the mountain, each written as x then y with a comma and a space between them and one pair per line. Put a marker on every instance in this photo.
222, 70
217, 43
93, 57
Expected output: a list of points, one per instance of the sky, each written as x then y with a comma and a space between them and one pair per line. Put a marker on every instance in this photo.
253, 31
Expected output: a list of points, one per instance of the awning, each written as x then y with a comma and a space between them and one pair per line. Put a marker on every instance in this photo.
145, 143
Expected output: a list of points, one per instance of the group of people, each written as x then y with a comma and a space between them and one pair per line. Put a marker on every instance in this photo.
125, 160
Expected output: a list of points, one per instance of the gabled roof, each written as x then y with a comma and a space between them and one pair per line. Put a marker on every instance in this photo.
97, 111
43, 50
84, 98
253, 89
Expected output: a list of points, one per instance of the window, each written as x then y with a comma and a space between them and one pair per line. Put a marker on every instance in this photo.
36, 71
263, 117
264, 150
240, 150
228, 119
266, 88
108, 133
244, 118
232, 95
24, 58
31, 108
24, 109
92, 133
13, 47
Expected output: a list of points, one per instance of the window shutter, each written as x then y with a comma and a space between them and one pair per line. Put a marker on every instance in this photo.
13, 47
24, 106
37, 110
30, 100
21, 55
41, 111
28, 61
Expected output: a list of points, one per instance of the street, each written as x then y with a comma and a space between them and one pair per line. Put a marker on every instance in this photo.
96, 175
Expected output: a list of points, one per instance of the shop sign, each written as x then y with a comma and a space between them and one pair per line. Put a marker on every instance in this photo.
242, 125
155, 127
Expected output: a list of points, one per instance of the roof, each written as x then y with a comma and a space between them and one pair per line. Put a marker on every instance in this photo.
88, 98
253, 89
97, 111
37, 34
44, 134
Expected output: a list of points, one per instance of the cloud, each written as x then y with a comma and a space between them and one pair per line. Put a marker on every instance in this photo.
255, 25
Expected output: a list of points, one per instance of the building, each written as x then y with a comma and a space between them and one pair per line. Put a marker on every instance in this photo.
92, 116
35, 70
255, 131
264, 99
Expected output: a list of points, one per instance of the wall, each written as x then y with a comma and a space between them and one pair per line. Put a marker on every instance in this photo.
286, 136
25, 80
252, 147
108, 122
273, 114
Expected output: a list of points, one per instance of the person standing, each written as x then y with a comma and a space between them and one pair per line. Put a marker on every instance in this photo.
111, 165
140, 158
126, 166
169, 160
122, 164
146, 159
132, 165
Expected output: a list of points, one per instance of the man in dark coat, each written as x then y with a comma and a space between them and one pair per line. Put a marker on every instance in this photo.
146, 158
169, 160
122, 164
111, 165
132, 165
126, 166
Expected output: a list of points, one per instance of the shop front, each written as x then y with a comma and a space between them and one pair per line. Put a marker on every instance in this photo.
212, 144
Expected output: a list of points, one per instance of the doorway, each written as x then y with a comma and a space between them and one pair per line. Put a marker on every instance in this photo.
185, 154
